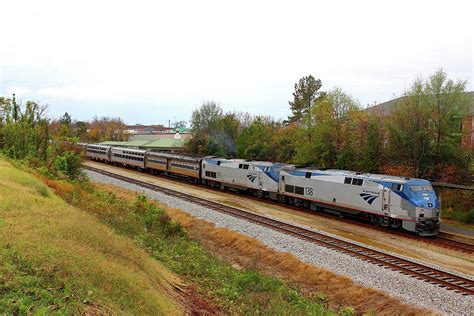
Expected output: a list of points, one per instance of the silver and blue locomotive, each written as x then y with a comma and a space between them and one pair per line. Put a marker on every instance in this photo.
407, 203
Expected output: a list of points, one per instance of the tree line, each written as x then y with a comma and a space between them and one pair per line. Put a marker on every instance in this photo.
26, 134
418, 135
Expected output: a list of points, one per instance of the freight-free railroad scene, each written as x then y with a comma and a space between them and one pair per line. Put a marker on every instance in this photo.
244, 158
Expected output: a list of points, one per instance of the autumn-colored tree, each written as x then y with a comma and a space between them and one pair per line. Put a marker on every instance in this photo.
107, 129
424, 128
25, 130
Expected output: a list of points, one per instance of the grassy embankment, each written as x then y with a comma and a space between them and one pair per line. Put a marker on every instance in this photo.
57, 258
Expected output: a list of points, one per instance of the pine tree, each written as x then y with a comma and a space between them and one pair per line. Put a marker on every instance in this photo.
306, 92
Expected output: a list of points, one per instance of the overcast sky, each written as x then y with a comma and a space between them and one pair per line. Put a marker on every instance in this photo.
150, 62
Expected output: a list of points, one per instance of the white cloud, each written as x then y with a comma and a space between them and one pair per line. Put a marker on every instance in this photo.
246, 54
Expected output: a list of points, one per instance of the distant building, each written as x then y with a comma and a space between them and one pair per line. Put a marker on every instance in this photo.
467, 122
167, 144
154, 137
146, 129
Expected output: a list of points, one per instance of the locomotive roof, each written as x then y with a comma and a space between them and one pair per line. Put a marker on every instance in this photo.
225, 159
255, 162
348, 173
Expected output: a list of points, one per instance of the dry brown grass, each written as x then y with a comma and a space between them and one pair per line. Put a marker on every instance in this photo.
244, 251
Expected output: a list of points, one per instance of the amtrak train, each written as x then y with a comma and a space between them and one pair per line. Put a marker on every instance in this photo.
403, 203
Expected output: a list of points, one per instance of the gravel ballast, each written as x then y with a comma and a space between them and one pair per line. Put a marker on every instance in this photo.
406, 288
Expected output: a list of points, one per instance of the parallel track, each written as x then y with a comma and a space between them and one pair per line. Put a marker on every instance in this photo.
434, 276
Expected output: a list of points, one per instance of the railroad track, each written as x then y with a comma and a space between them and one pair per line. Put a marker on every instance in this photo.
434, 240
452, 244
434, 276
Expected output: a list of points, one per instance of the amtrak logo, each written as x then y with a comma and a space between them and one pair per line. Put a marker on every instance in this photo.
369, 198
251, 177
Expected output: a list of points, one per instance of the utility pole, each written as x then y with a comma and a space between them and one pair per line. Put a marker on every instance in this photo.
15, 109
309, 117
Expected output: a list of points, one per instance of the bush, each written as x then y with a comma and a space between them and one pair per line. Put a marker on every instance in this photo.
468, 217
60, 164
347, 311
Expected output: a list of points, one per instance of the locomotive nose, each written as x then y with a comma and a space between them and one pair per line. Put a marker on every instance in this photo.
427, 212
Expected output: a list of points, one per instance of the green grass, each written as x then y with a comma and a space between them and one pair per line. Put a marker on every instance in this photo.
55, 258
235, 291
27, 289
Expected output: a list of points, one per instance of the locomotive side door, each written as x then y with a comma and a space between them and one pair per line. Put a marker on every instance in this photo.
385, 200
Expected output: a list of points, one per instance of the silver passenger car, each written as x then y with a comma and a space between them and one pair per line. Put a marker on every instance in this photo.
98, 152
185, 165
128, 156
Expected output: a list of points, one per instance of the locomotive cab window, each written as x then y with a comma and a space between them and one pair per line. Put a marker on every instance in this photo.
219, 163
356, 181
347, 180
308, 175
246, 166
396, 187
418, 188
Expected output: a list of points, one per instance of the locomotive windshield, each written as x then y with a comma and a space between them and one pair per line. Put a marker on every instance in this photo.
419, 188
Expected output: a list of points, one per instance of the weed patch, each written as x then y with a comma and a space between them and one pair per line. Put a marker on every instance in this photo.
26, 289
